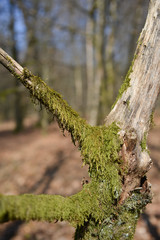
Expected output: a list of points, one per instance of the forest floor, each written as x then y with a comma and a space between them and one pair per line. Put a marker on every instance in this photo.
38, 162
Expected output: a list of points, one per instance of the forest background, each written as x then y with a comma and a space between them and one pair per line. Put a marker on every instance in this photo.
83, 50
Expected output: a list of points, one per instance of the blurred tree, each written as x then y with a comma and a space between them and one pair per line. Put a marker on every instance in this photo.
97, 37
104, 29
95, 56
19, 95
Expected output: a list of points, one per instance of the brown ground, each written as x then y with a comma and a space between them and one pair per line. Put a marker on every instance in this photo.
33, 162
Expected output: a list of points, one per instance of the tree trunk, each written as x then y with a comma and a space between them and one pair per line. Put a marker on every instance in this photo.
108, 79
95, 57
18, 105
109, 206
90, 29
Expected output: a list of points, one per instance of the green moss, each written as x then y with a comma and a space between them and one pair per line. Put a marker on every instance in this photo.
99, 147
75, 209
152, 123
119, 225
126, 84
47, 208
87, 210
127, 102
66, 117
94, 210
9, 60
84, 210
144, 143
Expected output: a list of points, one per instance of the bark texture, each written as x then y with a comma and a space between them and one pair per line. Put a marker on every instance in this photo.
135, 104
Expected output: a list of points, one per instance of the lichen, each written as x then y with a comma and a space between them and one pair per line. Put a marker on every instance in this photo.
119, 225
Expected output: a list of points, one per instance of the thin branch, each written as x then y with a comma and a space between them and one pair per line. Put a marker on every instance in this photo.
77, 6
67, 118
71, 30
9, 63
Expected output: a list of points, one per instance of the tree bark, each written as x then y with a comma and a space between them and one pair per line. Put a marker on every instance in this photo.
109, 206
90, 42
108, 79
95, 58
137, 96
19, 111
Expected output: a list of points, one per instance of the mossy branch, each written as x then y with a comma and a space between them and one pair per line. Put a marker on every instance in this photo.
67, 118
74, 209
95, 143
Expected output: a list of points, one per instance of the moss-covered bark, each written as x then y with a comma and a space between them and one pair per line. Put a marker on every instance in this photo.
92, 215
67, 118
118, 225
99, 147
74, 209
96, 211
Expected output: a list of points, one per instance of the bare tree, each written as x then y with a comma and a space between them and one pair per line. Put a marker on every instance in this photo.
19, 110
96, 58
109, 206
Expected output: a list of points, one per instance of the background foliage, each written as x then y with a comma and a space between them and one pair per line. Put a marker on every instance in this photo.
80, 48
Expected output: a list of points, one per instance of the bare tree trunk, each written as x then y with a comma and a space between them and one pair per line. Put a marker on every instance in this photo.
101, 70
19, 106
90, 28
78, 86
137, 96
107, 82
95, 52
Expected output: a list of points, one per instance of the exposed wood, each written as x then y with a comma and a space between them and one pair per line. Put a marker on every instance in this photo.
67, 118
10, 63
137, 103
134, 108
